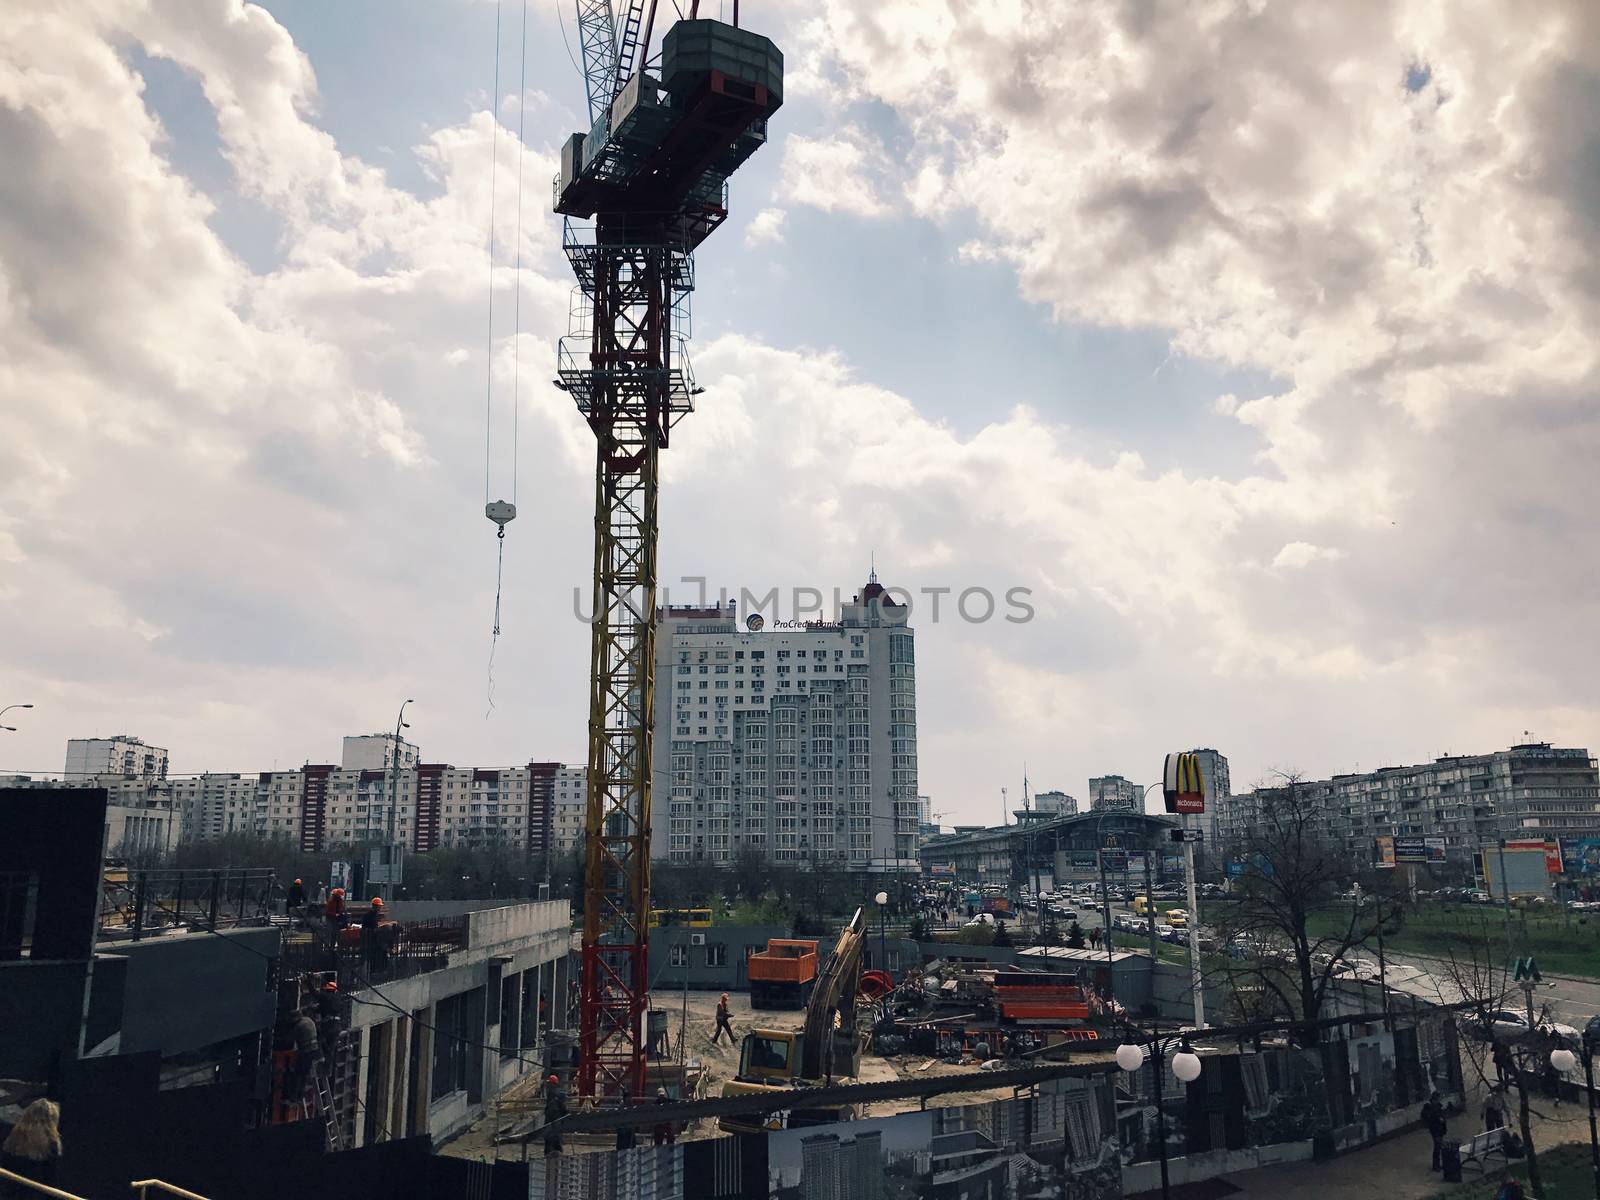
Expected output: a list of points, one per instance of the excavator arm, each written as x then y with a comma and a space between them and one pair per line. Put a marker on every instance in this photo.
830, 1024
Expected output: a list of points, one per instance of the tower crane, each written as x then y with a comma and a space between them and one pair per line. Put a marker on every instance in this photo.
638, 191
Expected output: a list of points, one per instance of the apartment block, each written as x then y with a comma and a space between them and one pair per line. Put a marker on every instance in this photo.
796, 742
1109, 792
119, 755
378, 752
1534, 790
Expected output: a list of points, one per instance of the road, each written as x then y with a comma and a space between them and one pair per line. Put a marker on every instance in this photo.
1569, 1001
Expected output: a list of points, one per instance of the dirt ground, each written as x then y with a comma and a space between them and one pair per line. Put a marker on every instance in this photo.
694, 1020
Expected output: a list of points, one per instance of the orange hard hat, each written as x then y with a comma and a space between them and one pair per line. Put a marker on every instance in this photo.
554, 1081
724, 995
330, 986
297, 881
377, 902
338, 891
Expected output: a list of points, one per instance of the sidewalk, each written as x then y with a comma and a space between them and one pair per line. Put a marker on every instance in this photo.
1397, 1169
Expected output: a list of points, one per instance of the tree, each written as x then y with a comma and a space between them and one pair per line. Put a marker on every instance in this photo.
1297, 869
1075, 936
1001, 937
1511, 1058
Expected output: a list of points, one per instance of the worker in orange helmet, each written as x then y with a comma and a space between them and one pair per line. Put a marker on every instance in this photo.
375, 952
555, 1111
296, 899
334, 915
723, 1023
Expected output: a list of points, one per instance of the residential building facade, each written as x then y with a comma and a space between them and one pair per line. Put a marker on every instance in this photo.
1111, 792
118, 755
1530, 791
798, 743
378, 752
1056, 804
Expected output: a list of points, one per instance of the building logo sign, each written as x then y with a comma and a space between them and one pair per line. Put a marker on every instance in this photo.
1183, 787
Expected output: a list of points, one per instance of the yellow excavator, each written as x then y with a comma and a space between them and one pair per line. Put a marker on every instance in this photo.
827, 1044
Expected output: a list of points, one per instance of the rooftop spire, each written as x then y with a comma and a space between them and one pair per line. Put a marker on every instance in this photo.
872, 567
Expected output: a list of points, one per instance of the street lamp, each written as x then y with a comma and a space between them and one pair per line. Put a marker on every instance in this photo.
1563, 1060
882, 899
8, 708
1185, 1068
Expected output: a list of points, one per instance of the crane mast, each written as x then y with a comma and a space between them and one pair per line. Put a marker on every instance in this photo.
651, 174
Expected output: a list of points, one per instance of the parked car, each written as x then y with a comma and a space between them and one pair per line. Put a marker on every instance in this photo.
1510, 1025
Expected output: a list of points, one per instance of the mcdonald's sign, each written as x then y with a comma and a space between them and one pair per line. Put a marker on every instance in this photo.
1182, 785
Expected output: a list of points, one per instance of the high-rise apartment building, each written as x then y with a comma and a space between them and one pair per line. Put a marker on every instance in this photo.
120, 755
378, 752
1056, 804
795, 742
1469, 802
1114, 792
1219, 785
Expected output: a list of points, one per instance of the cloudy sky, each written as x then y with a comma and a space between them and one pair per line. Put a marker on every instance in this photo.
1257, 340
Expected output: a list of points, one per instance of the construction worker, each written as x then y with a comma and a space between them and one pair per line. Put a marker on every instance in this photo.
627, 1136
372, 947
329, 1010
723, 1023
307, 1053
555, 1111
664, 1132
296, 899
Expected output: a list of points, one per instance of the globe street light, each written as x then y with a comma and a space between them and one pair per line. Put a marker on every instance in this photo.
1185, 1067
1563, 1060
882, 899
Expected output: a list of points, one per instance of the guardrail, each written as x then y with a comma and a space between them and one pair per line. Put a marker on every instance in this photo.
143, 1186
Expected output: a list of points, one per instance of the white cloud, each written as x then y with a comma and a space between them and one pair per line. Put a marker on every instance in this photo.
766, 226
834, 174
1296, 555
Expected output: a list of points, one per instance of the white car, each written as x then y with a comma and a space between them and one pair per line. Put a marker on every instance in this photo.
1509, 1025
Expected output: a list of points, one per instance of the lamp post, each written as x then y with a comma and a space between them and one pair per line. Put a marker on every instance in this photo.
394, 789
882, 900
1563, 1060
1185, 1068
8, 708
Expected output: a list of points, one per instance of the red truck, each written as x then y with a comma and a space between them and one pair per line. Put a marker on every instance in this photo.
782, 975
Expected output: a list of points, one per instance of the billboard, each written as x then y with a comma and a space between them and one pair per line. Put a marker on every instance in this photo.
1552, 857
1525, 873
1581, 856
1385, 856
1410, 850
1436, 851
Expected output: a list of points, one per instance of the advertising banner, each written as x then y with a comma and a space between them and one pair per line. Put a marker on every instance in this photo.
1385, 852
1114, 860
1436, 850
1552, 858
1410, 850
1581, 856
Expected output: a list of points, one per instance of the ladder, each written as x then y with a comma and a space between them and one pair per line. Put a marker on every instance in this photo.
325, 1107
628, 45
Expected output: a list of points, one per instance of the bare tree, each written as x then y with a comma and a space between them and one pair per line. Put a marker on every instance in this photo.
1295, 872
1500, 1055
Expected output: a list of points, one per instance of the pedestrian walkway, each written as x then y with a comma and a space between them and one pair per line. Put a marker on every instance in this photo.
1397, 1168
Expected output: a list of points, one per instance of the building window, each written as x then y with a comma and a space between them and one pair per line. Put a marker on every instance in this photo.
678, 956
717, 955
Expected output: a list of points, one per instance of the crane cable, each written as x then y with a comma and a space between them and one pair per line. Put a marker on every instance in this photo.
502, 512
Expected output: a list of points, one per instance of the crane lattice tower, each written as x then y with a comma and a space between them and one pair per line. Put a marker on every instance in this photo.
652, 175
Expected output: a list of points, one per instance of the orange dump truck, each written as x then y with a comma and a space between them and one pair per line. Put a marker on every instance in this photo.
782, 975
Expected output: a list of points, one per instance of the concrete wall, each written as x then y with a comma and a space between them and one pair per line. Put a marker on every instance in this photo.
396, 1023
189, 991
735, 941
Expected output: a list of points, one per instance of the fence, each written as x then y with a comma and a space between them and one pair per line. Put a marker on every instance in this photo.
414, 948
139, 903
